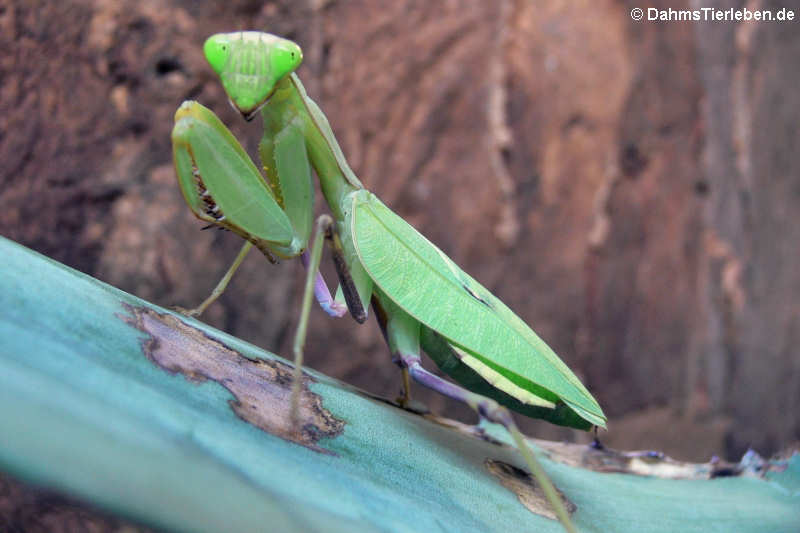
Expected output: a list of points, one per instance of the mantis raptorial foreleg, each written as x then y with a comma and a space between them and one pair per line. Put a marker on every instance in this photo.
208, 158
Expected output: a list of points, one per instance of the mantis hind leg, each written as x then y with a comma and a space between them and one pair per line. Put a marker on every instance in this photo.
493, 412
402, 333
405, 397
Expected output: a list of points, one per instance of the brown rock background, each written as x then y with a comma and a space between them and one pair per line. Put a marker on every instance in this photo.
631, 189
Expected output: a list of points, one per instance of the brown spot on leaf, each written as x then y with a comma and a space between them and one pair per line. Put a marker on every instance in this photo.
526, 488
261, 388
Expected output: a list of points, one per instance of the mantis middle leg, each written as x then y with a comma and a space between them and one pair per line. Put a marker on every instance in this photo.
315, 284
321, 292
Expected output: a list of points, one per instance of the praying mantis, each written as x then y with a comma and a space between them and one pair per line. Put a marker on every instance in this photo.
422, 300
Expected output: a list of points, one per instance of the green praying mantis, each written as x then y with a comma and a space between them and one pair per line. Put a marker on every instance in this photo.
422, 300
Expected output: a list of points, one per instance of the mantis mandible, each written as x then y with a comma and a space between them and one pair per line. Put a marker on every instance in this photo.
421, 298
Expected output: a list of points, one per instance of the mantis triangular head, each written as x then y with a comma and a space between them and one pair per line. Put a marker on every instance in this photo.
250, 65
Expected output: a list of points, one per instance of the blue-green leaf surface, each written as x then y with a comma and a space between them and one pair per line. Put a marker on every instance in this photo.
126, 405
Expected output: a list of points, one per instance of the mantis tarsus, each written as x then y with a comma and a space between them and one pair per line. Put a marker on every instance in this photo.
422, 299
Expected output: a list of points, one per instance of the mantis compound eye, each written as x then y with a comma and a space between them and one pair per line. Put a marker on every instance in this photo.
285, 57
217, 49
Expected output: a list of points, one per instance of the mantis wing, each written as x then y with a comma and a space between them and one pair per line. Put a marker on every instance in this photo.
429, 286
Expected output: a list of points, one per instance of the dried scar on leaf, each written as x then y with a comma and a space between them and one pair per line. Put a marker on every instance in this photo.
261, 388
526, 488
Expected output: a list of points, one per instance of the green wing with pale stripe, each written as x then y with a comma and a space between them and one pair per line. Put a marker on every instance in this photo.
429, 286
